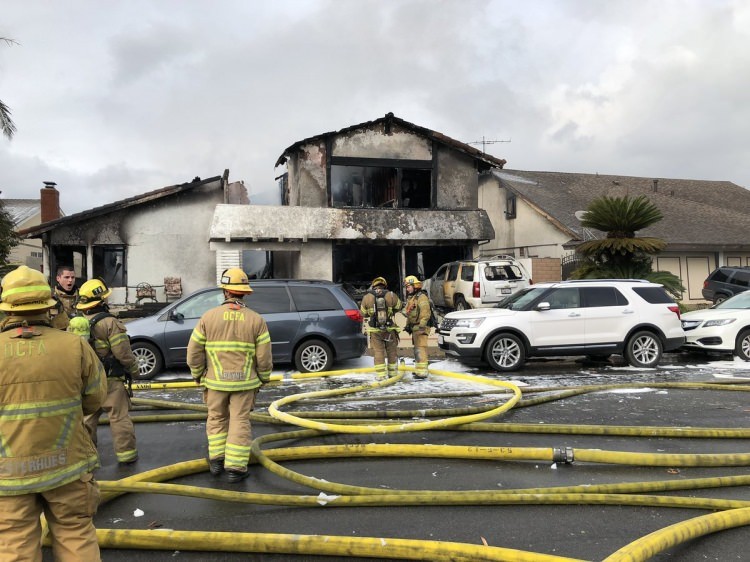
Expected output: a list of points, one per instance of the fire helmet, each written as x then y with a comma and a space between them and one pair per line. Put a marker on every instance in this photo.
379, 281
92, 293
26, 290
235, 280
412, 280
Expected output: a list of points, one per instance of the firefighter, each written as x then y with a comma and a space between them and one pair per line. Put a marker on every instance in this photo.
66, 294
418, 315
379, 306
112, 345
49, 380
230, 354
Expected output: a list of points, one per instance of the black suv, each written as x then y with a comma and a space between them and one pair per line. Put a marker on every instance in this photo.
725, 282
311, 323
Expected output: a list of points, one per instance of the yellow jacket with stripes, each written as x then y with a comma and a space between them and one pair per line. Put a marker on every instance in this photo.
49, 380
111, 337
230, 348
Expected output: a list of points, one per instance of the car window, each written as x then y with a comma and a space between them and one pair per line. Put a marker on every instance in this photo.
440, 273
720, 275
740, 300
194, 307
314, 298
452, 272
467, 272
521, 299
565, 297
653, 295
741, 278
603, 296
268, 300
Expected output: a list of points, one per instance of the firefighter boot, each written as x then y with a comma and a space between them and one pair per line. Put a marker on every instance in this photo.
216, 466
234, 475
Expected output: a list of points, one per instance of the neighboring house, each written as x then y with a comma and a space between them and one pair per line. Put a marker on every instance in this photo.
141, 240
25, 213
382, 198
536, 214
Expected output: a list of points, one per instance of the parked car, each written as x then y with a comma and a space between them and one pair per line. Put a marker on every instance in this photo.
723, 328
597, 318
312, 323
480, 283
725, 282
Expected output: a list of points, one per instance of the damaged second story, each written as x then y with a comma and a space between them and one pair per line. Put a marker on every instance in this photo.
381, 198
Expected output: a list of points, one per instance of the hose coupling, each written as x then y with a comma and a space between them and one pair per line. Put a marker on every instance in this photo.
563, 454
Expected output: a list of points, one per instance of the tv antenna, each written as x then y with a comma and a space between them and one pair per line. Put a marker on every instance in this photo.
484, 142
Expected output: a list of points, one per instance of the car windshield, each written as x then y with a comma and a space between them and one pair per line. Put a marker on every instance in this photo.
742, 300
520, 299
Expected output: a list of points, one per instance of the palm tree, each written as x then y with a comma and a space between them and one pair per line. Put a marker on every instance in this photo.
622, 254
6, 123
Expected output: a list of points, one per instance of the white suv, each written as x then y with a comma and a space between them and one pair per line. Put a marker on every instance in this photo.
597, 318
480, 283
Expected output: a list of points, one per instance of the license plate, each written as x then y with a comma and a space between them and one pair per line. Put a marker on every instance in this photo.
440, 339
505, 291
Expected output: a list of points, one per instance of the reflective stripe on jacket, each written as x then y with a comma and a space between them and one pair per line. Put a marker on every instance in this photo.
49, 379
417, 310
230, 348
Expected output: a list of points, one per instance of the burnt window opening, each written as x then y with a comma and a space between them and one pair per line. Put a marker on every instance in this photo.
109, 265
510, 207
381, 186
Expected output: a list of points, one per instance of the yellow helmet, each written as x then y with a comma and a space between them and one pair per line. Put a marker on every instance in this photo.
412, 280
379, 281
235, 280
92, 293
26, 290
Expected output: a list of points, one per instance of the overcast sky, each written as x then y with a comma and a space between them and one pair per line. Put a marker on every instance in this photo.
117, 98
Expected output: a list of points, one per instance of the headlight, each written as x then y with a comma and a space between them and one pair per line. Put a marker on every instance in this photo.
468, 323
722, 322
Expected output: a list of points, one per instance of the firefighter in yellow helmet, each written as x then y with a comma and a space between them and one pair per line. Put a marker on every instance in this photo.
111, 343
378, 306
418, 314
230, 353
49, 379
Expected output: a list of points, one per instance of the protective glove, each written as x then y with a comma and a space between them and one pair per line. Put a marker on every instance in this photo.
407, 329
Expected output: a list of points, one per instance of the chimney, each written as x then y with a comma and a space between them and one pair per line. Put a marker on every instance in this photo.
656, 185
50, 202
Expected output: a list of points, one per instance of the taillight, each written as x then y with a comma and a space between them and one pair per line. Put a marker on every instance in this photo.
475, 290
705, 284
354, 314
675, 309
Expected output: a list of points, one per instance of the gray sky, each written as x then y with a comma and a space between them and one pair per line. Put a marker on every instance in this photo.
113, 99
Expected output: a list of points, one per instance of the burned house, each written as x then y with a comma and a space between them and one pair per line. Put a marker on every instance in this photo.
382, 198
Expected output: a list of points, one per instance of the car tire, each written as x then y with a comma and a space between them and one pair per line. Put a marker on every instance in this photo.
459, 303
742, 347
313, 356
720, 298
150, 362
643, 350
505, 352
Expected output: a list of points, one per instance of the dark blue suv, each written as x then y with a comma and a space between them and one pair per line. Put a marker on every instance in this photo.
724, 282
312, 323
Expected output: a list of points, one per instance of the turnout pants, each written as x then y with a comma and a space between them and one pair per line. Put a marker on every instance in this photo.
384, 344
228, 426
69, 511
117, 407
419, 341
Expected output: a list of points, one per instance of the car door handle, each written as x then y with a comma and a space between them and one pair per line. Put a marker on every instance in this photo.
627, 311
574, 315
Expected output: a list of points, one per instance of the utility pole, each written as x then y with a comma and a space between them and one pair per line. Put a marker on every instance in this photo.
484, 142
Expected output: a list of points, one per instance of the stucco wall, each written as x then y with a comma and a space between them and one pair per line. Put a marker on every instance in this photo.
457, 181
373, 143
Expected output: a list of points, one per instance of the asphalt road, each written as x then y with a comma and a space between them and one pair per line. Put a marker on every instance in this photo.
586, 532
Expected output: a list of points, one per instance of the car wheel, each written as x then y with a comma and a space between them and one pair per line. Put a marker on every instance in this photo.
742, 347
643, 350
719, 299
459, 303
506, 352
313, 356
149, 360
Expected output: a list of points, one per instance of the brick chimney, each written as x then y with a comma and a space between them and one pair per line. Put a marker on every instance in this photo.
50, 202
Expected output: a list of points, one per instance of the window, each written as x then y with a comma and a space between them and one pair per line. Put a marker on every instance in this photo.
741, 278
267, 300
566, 297
653, 295
196, 306
314, 298
510, 207
603, 296
109, 262
467, 272
452, 272
386, 186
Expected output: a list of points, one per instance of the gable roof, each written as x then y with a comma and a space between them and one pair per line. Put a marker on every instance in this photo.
21, 210
388, 120
148, 197
696, 213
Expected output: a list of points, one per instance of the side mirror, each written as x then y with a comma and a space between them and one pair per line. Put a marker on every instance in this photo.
175, 316
543, 306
